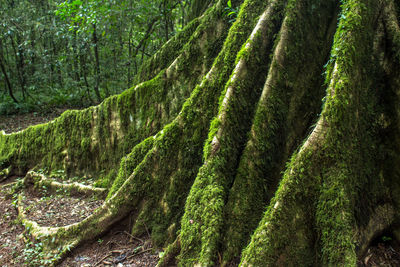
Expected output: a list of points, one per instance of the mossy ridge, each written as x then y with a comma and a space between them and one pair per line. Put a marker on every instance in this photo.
324, 172
352, 112
391, 120
129, 163
227, 134
288, 105
85, 142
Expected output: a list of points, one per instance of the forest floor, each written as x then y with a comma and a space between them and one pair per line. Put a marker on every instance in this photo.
117, 247
18, 122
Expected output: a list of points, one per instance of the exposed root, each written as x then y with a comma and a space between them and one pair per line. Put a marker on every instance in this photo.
42, 234
7, 186
58, 241
39, 180
34, 228
55, 244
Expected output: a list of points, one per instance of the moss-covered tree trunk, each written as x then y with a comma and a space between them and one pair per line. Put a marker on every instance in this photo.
274, 140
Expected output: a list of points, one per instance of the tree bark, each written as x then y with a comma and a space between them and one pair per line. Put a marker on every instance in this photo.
84, 71
8, 83
130, 58
4, 71
197, 7
97, 64
19, 64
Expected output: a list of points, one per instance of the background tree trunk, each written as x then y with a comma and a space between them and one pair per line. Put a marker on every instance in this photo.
197, 8
97, 64
8, 84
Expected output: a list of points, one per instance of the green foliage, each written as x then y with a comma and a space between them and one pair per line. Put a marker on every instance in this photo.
386, 239
7, 106
231, 12
43, 101
34, 254
76, 53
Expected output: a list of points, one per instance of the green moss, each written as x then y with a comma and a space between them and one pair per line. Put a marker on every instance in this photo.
90, 141
173, 162
85, 144
204, 211
285, 234
107, 181
324, 184
167, 53
283, 117
158, 171
129, 163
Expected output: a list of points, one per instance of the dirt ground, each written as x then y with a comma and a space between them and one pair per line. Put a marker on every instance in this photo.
117, 247
11, 238
18, 122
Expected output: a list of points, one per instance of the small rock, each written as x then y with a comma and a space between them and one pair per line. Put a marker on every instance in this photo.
81, 258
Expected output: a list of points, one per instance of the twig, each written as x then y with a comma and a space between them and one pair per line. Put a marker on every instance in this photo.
3, 179
134, 237
3, 186
105, 257
147, 230
141, 252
